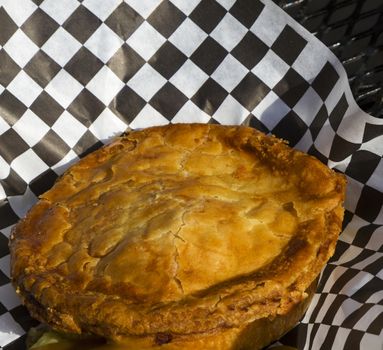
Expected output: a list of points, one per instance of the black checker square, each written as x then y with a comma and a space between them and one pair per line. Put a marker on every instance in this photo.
125, 63
83, 65
207, 15
337, 114
289, 45
21, 314
43, 182
257, 124
12, 145
3, 246
209, 55
318, 122
7, 215
86, 107
42, 68
291, 87
247, 11
14, 185
127, 104
11, 108
124, 20
4, 278
46, 108
168, 101
82, 24
371, 131
290, 128
39, 27
362, 165
250, 50
7, 26
250, 91
325, 80
341, 148
51, 148
3, 309
166, 18
87, 144
167, 60
210, 96
9, 68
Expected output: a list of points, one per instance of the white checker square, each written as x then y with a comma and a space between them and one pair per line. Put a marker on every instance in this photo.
61, 46
101, 8
230, 112
104, 43
305, 142
19, 10
6, 231
269, 25
376, 179
349, 130
105, 85
146, 82
144, 8
229, 32
323, 142
308, 106
60, 10
227, 4
63, 88
271, 110
69, 128
189, 78
229, 73
335, 95
2, 88
28, 165
353, 192
31, 128
4, 168
371, 341
375, 145
148, 117
5, 260
20, 48
10, 330
9, 297
3, 195
24, 88
271, 69
22, 203
146, 40
69, 159
107, 125
186, 7
194, 34
3, 126
340, 338
190, 113
311, 60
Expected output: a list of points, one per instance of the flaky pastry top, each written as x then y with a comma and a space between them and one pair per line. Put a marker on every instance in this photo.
185, 228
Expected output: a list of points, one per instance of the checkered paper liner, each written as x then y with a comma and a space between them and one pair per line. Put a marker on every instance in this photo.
73, 74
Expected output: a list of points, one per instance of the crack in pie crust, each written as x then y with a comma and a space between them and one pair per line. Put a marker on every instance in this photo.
182, 230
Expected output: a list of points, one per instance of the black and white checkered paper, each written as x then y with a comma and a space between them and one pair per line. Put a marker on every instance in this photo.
73, 74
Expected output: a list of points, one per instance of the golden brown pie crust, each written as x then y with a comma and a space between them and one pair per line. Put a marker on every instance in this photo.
177, 231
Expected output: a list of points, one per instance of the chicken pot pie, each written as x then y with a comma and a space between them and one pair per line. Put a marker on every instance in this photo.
180, 236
